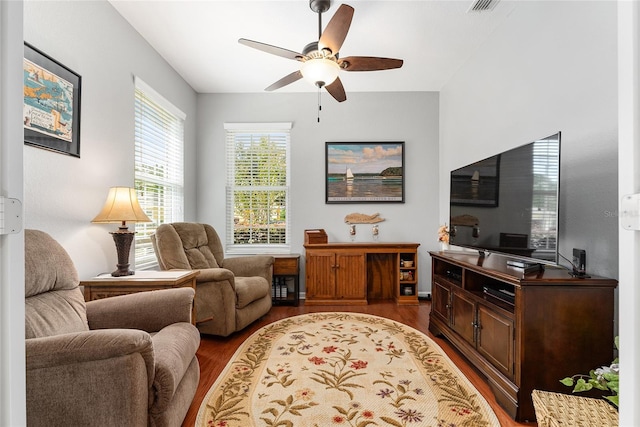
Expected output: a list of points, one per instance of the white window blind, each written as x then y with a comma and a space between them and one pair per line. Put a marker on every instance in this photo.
159, 170
545, 198
257, 189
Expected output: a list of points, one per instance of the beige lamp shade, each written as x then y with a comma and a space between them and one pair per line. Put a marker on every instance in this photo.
121, 206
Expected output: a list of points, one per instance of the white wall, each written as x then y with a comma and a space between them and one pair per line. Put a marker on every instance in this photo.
629, 182
553, 66
12, 351
409, 117
64, 193
550, 67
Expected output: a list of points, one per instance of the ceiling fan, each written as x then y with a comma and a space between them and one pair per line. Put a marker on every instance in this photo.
320, 61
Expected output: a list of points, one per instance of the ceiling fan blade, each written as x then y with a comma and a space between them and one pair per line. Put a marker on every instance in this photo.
336, 31
288, 79
368, 63
274, 50
336, 90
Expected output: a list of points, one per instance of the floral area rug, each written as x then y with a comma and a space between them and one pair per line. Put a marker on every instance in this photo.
342, 369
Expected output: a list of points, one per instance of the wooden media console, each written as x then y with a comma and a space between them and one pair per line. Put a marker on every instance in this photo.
522, 331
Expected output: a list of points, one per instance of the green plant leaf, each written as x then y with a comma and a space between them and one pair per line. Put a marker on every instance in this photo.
597, 384
567, 381
614, 386
613, 399
582, 385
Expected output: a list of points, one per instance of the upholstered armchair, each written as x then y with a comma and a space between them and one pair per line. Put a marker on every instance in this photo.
122, 361
231, 293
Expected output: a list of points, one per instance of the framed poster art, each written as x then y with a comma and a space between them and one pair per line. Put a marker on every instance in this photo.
364, 172
51, 107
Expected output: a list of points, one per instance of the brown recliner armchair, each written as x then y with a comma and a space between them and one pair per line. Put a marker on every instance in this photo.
127, 360
231, 293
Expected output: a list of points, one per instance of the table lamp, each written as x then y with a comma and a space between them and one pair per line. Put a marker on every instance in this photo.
122, 206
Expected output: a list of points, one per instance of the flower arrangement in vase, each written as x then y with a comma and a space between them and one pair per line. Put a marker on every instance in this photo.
443, 236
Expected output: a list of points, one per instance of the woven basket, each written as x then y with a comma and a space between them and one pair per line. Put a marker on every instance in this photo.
562, 410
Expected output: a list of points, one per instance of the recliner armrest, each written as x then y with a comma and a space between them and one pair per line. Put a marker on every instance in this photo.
214, 275
89, 346
248, 266
149, 311
90, 378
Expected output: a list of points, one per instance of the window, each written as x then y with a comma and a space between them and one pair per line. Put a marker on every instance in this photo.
159, 146
258, 187
545, 197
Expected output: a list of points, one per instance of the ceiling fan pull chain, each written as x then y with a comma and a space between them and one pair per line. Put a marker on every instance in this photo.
319, 103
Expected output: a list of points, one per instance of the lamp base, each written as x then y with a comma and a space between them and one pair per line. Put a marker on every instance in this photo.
122, 271
123, 238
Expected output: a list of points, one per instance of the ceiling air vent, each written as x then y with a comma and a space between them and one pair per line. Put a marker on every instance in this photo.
482, 5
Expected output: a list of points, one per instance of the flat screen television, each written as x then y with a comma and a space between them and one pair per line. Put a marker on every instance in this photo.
508, 203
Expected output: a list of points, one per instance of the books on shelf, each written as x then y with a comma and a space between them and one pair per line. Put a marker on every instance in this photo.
279, 289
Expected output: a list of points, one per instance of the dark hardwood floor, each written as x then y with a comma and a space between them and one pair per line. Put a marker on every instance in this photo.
215, 352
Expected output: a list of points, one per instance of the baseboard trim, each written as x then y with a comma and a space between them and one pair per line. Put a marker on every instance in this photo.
424, 296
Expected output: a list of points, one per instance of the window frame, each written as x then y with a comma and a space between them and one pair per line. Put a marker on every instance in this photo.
162, 114
231, 129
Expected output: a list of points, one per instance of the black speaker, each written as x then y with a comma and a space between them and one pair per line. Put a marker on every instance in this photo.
579, 262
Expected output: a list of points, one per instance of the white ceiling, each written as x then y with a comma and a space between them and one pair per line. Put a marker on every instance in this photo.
200, 40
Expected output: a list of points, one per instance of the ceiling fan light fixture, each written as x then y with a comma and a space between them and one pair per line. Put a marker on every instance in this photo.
320, 71
319, 63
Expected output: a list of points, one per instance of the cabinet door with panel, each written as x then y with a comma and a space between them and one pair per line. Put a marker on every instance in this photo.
350, 276
489, 332
463, 315
320, 275
496, 339
441, 304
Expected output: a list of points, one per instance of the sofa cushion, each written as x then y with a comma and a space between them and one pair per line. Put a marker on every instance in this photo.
250, 289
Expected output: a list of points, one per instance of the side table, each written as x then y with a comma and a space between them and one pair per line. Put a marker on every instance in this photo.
105, 285
286, 267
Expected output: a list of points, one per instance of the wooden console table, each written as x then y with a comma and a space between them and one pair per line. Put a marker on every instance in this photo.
353, 273
522, 331
105, 285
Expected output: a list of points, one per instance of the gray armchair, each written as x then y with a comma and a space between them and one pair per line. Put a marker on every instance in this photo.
231, 293
127, 360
